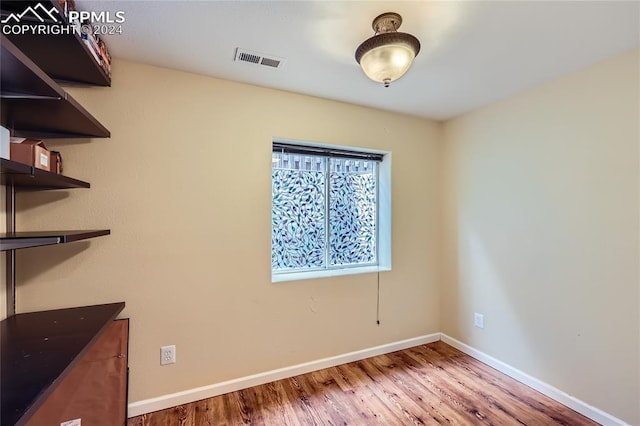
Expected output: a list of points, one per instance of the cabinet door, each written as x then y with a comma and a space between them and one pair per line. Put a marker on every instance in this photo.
95, 391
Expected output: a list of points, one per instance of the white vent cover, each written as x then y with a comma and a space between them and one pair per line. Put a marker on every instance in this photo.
243, 55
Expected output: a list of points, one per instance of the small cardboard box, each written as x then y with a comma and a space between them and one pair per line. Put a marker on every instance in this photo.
31, 152
56, 162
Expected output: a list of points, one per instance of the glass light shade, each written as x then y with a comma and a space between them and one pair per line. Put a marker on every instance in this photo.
386, 57
387, 63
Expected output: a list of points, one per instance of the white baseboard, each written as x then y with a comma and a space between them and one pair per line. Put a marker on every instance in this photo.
556, 394
171, 400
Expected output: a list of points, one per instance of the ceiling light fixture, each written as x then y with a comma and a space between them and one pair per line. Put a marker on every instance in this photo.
387, 55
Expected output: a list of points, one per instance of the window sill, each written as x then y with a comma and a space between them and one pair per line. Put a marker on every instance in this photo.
327, 273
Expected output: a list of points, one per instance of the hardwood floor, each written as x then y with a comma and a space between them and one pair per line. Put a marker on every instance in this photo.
429, 384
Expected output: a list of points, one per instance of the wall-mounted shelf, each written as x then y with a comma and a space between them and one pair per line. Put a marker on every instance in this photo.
25, 177
47, 357
21, 240
61, 56
51, 360
34, 106
48, 118
39, 349
21, 79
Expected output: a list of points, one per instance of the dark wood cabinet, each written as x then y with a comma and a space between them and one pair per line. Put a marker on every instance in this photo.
46, 355
95, 390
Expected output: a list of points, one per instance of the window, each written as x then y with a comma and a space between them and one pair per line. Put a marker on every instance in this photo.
324, 209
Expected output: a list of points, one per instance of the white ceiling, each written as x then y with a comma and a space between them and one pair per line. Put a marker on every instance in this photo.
473, 52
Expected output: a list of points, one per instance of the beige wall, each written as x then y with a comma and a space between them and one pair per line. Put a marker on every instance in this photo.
541, 223
184, 186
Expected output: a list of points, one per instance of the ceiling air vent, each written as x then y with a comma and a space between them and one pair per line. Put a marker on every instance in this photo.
270, 61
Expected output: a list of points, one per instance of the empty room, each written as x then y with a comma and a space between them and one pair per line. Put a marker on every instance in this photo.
320, 212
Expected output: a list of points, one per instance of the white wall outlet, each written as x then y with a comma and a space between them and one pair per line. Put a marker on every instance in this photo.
478, 320
74, 422
167, 354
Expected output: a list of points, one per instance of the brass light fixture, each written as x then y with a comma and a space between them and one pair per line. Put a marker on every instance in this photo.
387, 55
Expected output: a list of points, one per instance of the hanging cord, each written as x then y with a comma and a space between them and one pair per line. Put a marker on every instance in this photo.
378, 300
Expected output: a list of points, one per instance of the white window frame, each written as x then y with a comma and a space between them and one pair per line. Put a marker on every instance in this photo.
383, 243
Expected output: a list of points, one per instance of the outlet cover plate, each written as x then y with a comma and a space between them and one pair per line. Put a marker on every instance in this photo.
478, 320
167, 354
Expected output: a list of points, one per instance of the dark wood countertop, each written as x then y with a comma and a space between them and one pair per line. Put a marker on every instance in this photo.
38, 349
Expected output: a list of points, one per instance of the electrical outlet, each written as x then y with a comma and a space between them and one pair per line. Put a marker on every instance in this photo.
478, 320
74, 422
167, 354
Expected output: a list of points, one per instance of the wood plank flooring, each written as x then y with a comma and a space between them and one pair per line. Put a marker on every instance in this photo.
425, 385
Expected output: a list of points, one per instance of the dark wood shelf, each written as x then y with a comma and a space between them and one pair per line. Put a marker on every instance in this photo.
61, 56
21, 240
26, 177
20, 79
34, 106
49, 118
39, 349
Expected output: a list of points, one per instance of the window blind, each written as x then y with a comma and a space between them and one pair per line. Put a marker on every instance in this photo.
325, 151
